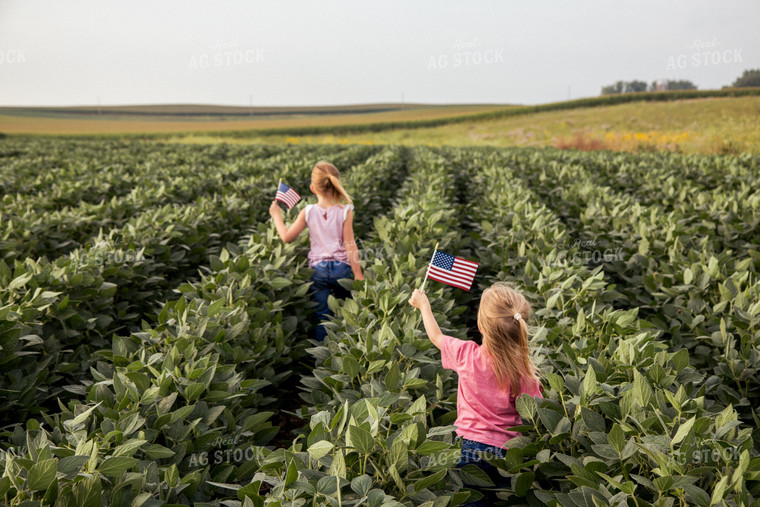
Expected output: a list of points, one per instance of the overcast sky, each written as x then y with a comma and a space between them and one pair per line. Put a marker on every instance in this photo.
283, 52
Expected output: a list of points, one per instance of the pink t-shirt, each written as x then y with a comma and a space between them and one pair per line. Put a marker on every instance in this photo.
484, 411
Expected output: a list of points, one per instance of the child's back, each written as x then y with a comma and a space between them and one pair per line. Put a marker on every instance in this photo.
326, 233
491, 376
484, 411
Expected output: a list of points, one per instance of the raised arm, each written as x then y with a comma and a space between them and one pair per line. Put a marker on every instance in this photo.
287, 234
420, 301
351, 249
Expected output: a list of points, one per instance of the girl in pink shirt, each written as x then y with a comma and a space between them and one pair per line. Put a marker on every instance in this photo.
491, 375
333, 253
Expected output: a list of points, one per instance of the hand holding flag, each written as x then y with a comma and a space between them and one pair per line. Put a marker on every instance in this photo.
419, 299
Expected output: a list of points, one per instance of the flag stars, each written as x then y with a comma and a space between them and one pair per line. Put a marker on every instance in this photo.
443, 260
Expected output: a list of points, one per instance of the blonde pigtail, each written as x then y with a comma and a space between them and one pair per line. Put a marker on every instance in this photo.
338, 186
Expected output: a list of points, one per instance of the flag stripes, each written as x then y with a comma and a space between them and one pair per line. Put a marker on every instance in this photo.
287, 195
452, 270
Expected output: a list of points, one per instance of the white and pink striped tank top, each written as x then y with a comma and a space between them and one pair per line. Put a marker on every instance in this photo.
326, 233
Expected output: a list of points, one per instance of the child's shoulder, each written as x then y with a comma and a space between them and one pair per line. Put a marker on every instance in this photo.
346, 208
462, 340
458, 354
460, 345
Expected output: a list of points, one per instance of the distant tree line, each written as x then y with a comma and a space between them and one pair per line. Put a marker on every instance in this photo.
641, 86
749, 78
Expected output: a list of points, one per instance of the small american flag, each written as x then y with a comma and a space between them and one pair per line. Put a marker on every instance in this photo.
452, 270
287, 195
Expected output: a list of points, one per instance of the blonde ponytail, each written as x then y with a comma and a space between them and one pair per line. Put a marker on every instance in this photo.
502, 317
326, 179
338, 186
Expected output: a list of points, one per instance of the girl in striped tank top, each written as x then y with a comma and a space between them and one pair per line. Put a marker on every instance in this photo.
334, 254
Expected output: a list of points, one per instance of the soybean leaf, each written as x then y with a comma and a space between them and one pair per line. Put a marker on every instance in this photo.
41, 474
361, 439
429, 480
320, 448
523, 483
114, 466
683, 430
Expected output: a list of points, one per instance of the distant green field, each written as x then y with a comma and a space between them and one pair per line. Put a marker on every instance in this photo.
201, 110
162, 119
709, 121
710, 125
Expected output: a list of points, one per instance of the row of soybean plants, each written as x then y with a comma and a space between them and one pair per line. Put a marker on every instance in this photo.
625, 420
693, 270
649, 176
633, 173
379, 405
704, 183
93, 171
689, 186
52, 225
34, 165
166, 405
97, 186
53, 314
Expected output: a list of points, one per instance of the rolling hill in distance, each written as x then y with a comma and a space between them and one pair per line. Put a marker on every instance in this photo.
710, 121
193, 117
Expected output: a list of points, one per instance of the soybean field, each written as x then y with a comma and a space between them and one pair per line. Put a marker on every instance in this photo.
154, 328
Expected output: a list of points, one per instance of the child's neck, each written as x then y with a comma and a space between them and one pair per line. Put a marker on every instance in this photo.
325, 202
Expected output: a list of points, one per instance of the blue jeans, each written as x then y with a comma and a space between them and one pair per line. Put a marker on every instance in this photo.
476, 453
325, 282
